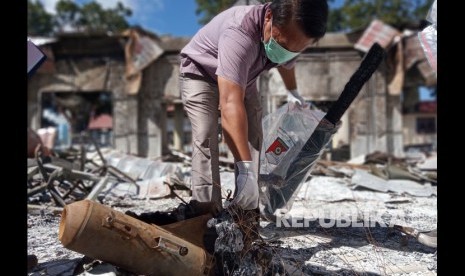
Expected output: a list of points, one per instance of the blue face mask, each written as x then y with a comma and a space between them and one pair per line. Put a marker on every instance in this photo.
277, 53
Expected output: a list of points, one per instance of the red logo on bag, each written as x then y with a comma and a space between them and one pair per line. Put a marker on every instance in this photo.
278, 147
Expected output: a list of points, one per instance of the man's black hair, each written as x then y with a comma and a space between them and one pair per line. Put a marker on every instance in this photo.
310, 15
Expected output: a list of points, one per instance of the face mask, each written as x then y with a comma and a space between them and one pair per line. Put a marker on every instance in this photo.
277, 53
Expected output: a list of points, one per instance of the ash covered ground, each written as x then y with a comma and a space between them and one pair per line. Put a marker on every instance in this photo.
318, 248
340, 223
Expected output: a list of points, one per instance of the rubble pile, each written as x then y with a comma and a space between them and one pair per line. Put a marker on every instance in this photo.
393, 200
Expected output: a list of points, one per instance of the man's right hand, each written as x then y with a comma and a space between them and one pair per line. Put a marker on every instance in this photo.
246, 186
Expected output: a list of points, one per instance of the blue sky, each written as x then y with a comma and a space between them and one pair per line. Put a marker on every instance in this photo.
175, 17
425, 94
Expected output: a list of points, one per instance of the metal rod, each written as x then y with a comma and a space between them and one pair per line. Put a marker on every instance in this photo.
97, 188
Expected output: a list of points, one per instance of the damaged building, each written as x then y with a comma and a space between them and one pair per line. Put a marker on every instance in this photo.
114, 76
123, 89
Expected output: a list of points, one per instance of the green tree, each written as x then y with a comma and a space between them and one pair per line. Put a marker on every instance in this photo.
67, 15
39, 22
351, 15
400, 14
89, 17
208, 9
95, 18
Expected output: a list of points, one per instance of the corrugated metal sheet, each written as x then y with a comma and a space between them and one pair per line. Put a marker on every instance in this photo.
427, 72
39, 41
376, 32
93, 79
413, 52
415, 56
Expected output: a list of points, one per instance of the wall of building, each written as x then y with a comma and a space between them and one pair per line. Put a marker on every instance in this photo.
35, 82
124, 112
322, 77
160, 87
368, 122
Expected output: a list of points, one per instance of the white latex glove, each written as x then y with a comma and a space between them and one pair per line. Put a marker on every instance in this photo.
246, 186
294, 96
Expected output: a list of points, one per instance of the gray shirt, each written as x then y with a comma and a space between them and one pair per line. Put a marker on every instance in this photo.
230, 46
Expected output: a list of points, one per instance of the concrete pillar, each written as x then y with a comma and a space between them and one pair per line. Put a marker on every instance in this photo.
341, 137
154, 123
394, 125
178, 131
126, 124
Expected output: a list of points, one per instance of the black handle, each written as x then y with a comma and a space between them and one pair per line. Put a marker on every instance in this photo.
368, 66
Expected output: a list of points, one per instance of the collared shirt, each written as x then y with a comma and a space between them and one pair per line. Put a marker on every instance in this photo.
230, 46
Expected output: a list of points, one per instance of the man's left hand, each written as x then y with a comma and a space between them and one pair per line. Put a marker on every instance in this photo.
294, 96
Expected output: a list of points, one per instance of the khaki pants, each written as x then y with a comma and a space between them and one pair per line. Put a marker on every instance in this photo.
201, 103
